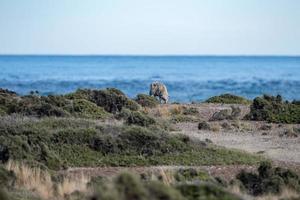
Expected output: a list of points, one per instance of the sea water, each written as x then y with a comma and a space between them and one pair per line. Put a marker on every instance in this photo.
188, 78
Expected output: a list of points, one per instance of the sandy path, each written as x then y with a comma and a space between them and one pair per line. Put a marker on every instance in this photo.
269, 143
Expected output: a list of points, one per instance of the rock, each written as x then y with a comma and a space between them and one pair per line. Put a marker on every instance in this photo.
221, 115
203, 125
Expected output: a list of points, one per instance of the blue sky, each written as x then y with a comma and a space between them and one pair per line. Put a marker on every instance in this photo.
211, 27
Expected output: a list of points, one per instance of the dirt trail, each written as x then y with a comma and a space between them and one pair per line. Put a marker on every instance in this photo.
272, 143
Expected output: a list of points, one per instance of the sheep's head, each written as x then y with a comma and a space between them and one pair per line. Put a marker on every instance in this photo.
153, 88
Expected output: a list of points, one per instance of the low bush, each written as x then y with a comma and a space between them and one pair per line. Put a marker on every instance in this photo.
205, 191
37, 106
274, 109
146, 100
7, 178
225, 125
191, 174
138, 118
203, 125
183, 118
111, 99
269, 180
228, 99
135, 118
87, 109
190, 111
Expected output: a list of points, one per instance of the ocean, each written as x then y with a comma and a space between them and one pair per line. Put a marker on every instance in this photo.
188, 78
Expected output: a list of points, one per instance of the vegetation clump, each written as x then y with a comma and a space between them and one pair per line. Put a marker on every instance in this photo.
127, 186
83, 103
111, 99
62, 142
191, 174
190, 111
7, 178
226, 114
86, 109
140, 119
274, 109
205, 191
203, 125
228, 99
269, 180
146, 100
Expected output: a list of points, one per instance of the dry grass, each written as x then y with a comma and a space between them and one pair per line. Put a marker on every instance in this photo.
285, 194
39, 181
167, 176
166, 111
33, 179
176, 109
215, 127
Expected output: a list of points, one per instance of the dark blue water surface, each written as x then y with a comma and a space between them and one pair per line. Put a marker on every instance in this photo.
188, 78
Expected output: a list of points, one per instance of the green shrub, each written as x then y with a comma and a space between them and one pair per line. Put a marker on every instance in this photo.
130, 187
111, 99
37, 106
87, 109
183, 118
138, 118
7, 178
190, 111
132, 105
273, 109
205, 192
115, 91
160, 191
3, 194
191, 174
135, 118
146, 100
2, 112
7, 100
269, 180
228, 99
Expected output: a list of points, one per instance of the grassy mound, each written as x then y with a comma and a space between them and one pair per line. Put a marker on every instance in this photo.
274, 109
146, 100
63, 142
111, 99
228, 99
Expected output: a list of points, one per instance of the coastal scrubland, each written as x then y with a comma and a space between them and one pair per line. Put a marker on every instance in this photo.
46, 137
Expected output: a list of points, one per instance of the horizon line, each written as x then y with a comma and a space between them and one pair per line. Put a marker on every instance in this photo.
161, 55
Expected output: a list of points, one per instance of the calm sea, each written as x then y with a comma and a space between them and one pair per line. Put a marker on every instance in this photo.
188, 78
